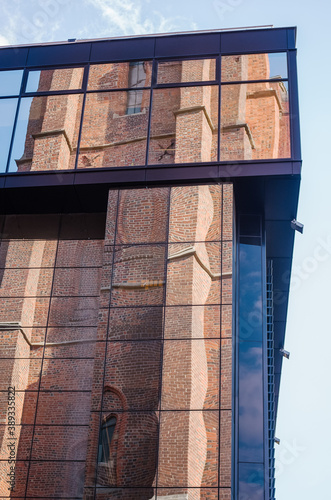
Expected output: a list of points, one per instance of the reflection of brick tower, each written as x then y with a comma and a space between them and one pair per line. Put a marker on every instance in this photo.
53, 124
254, 115
116, 303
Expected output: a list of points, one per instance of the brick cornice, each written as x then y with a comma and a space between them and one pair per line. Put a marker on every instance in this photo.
193, 109
241, 125
191, 251
49, 133
15, 325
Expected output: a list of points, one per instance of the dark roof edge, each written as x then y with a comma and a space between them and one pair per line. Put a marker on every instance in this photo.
154, 35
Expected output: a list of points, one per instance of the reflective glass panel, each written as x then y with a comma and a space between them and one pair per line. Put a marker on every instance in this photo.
184, 125
16, 474
254, 67
11, 309
196, 70
58, 478
80, 311
190, 374
46, 133
190, 438
135, 323
134, 369
18, 440
10, 82
138, 275
250, 402
226, 448
65, 442
251, 482
132, 451
179, 321
15, 376
194, 275
112, 136
7, 117
255, 121
54, 79
51, 403
120, 75
250, 292
142, 216
191, 222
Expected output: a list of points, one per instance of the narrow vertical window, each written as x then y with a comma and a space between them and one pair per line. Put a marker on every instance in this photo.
106, 434
137, 79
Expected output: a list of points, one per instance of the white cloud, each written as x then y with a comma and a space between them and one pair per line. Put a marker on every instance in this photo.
4, 40
125, 17
37, 21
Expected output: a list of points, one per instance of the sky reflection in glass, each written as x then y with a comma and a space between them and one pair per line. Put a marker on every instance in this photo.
250, 402
251, 482
250, 292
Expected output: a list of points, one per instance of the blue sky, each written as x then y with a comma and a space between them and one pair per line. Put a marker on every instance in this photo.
303, 457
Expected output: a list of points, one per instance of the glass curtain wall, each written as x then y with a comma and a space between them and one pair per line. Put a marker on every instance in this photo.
127, 114
116, 351
250, 355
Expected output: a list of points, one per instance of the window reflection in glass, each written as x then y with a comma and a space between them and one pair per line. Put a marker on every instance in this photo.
7, 117
251, 482
54, 79
196, 70
119, 75
250, 290
184, 125
46, 133
137, 79
250, 402
254, 67
10, 82
110, 136
106, 434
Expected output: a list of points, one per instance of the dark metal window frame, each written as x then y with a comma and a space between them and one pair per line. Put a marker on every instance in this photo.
291, 80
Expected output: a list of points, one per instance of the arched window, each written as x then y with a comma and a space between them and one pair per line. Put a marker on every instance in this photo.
106, 434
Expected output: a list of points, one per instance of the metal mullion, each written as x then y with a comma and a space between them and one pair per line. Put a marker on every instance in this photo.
186, 84
86, 75
18, 106
12, 96
154, 73
117, 89
162, 339
46, 93
42, 362
269, 80
293, 105
219, 119
220, 360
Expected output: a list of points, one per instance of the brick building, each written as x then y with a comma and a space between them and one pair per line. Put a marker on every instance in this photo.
148, 185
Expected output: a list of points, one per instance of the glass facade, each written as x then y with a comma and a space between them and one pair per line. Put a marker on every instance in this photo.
251, 412
169, 114
137, 351
117, 340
